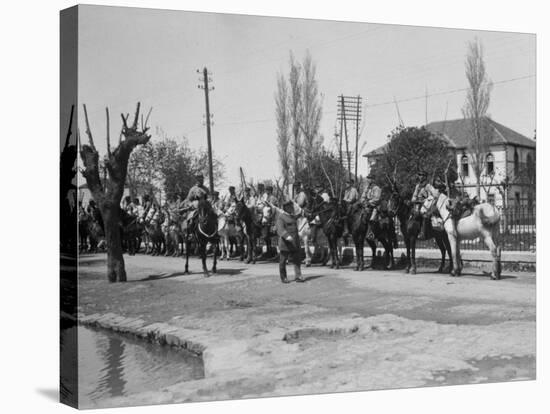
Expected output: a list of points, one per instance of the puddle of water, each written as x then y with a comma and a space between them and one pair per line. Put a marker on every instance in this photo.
112, 365
489, 369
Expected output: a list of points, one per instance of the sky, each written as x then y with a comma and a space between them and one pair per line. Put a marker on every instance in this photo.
152, 56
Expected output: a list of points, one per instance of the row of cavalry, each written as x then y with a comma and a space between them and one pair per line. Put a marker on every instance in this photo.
324, 226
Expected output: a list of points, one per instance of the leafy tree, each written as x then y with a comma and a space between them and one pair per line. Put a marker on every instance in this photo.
169, 164
410, 150
324, 170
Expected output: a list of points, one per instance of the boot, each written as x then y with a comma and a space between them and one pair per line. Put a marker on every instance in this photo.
298, 274
370, 234
282, 273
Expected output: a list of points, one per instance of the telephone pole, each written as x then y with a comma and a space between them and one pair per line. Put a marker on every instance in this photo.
205, 79
349, 110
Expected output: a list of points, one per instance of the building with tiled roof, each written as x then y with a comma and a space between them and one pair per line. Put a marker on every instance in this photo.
509, 153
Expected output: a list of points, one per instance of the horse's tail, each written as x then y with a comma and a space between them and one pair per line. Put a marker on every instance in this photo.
488, 218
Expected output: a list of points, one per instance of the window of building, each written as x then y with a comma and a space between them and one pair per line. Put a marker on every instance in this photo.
518, 198
464, 166
491, 199
490, 164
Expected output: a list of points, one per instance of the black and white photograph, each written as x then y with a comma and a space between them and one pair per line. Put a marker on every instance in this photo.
256, 206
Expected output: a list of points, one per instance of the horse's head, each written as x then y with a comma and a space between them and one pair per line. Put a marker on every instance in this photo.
240, 207
427, 204
267, 214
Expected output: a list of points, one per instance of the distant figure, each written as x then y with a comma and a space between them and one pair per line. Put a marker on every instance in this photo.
289, 242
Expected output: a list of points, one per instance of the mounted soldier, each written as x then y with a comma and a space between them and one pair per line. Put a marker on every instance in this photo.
230, 198
196, 193
268, 196
370, 199
249, 199
422, 191
351, 196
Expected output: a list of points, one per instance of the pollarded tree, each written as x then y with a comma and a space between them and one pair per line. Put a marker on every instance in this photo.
108, 194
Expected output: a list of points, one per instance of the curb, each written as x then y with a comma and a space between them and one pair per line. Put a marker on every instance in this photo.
161, 333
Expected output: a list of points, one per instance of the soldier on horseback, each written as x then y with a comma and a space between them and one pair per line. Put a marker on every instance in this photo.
217, 203
249, 199
422, 191
196, 193
230, 198
370, 199
351, 196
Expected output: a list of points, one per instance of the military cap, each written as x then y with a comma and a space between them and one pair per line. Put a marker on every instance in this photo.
231, 188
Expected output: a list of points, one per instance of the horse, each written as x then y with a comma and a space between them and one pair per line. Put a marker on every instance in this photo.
331, 215
358, 225
483, 222
266, 227
153, 229
382, 229
131, 231
83, 231
204, 231
251, 229
410, 223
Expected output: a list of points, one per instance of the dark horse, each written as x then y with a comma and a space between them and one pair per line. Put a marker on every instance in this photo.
204, 230
131, 232
252, 230
332, 216
380, 230
410, 223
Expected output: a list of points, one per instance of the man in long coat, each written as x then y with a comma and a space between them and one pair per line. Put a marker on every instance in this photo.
289, 242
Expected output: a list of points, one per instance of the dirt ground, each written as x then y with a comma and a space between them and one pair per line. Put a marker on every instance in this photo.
342, 330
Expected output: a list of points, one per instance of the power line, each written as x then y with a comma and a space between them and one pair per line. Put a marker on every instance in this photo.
391, 102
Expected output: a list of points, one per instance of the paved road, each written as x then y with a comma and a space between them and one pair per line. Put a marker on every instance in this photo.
341, 330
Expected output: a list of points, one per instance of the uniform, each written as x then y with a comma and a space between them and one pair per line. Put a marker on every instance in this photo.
351, 195
371, 199
289, 244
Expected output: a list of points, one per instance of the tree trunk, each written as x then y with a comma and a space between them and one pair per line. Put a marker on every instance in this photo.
115, 260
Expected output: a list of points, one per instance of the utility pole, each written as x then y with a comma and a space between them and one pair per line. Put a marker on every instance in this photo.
207, 89
349, 110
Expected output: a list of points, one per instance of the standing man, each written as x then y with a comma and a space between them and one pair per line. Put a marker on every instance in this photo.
289, 242
371, 200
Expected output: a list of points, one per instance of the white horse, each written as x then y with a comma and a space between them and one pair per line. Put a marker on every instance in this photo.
483, 222
227, 230
305, 233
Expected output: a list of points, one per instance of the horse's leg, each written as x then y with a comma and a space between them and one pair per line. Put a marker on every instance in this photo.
253, 250
202, 252
216, 251
413, 255
454, 254
388, 252
441, 246
305, 239
372, 245
187, 248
